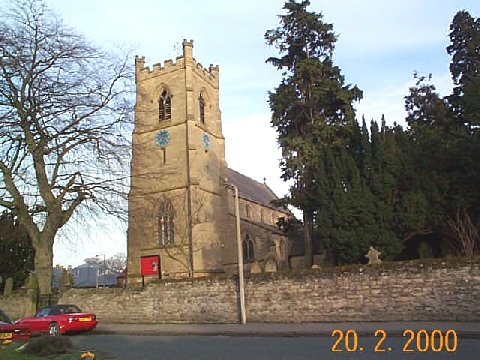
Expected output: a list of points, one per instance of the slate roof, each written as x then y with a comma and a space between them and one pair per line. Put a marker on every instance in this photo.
252, 190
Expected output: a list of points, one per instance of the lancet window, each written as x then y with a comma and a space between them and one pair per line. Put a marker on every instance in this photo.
248, 253
201, 103
165, 223
165, 106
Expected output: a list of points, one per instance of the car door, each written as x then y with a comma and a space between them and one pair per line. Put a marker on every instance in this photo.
38, 323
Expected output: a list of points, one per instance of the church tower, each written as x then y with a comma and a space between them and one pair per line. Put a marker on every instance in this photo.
177, 200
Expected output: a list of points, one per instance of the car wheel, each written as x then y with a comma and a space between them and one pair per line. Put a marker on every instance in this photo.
53, 329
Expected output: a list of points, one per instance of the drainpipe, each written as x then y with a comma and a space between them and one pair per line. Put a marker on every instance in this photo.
241, 279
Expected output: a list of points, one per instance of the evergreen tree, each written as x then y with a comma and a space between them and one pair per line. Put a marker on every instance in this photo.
430, 138
465, 108
16, 250
444, 134
465, 68
311, 108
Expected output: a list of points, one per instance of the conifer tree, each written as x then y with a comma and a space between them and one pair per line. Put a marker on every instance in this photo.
465, 68
444, 135
465, 108
311, 108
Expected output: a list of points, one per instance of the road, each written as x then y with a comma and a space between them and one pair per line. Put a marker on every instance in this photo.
125, 347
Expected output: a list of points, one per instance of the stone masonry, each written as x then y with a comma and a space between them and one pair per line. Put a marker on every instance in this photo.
178, 163
398, 292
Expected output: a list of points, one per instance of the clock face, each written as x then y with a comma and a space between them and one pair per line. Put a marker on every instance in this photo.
162, 138
206, 142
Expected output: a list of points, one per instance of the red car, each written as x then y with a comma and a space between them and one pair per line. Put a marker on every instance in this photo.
60, 319
11, 331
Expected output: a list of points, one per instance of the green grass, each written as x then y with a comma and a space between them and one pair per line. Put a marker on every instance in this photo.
7, 352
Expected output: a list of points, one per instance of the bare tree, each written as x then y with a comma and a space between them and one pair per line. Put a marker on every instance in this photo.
64, 112
464, 234
116, 264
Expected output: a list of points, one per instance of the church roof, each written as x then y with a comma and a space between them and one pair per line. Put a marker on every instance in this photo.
252, 190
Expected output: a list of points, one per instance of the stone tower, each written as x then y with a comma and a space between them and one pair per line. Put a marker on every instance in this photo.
177, 201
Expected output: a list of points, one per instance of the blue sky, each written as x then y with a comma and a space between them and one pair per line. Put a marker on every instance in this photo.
380, 44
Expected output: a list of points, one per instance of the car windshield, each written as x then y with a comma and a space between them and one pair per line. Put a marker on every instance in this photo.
58, 310
43, 312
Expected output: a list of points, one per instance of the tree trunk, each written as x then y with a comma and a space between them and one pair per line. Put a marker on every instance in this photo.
308, 235
44, 265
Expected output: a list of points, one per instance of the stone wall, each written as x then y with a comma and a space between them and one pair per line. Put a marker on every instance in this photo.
204, 300
19, 304
414, 291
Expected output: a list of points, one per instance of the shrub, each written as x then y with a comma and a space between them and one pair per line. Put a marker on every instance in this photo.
48, 345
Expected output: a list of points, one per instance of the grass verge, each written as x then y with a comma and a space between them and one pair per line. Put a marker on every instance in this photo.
9, 352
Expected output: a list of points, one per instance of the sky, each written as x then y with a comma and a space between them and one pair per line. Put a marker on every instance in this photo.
380, 44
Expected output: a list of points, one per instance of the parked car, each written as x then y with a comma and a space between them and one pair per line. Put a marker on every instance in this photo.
60, 319
11, 331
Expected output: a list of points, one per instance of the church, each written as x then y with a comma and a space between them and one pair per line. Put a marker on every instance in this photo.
182, 218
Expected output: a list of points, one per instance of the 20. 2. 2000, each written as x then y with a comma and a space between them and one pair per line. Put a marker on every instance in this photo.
413, 341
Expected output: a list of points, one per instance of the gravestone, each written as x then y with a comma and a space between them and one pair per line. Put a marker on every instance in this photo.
373, 256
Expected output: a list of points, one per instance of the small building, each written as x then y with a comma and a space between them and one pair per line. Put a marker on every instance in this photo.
91, 275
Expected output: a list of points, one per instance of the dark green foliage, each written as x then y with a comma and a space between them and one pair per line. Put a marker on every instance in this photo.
49, 345
408, 184
444, 135
465, 68
311, 108
464, 104
386, 186
16, 250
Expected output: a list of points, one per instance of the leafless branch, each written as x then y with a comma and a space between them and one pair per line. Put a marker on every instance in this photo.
65, 110
464, 233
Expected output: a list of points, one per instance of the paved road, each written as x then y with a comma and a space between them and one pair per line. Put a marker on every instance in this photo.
149, 347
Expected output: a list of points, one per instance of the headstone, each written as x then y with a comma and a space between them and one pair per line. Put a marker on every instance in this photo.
7, 291
31, 282
373, 256
271, 265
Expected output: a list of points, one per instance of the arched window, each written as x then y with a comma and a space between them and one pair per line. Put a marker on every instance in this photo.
201, 104
248, 254
165, 106
165, 223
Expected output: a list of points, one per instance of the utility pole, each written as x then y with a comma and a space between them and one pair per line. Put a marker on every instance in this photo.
239, 255
104, 268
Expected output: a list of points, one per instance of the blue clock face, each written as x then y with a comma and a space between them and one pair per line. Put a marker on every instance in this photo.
162, 138
206, 142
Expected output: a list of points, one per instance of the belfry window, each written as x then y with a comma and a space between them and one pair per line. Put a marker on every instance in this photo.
201, 104
248, 254
165, 223
165, 106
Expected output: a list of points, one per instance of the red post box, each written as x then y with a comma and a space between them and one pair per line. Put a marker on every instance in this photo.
150, 265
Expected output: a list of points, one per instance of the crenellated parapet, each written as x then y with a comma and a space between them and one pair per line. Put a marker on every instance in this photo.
181, 62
